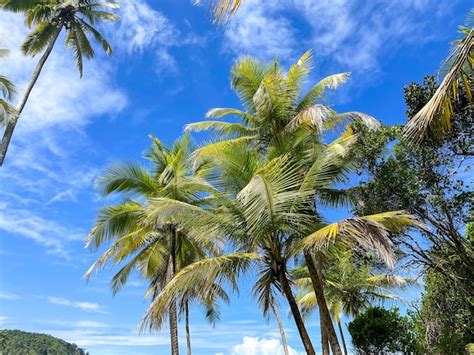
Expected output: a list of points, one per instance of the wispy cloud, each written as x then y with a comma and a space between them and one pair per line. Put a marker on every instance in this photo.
50, 141
9, 296
46, 232
83, 305
354, 34
143, 28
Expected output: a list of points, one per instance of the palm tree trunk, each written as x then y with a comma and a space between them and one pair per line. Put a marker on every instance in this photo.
173, 314
7, 135
282, 333
324, 337
342, 337
286, 289
324, 315
188, 333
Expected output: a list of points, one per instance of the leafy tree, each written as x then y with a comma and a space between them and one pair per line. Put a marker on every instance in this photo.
8, 90
434, 119
378, 331
430, 183
443, 319
17, 342
48, 18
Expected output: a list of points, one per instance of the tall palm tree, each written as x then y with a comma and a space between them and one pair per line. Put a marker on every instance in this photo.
434, 119
48, 18
8, 91
350, 286
156, 250
277, 120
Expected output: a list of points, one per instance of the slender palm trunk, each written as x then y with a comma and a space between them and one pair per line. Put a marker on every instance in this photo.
324, 315
173, 314
343, 340
188, 333
282, 332
7, 136
324, 337
286, 289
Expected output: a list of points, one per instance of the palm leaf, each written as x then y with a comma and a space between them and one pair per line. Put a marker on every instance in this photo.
197, 278
434, 119
316, 92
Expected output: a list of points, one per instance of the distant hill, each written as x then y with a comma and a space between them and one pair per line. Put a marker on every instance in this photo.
17, 342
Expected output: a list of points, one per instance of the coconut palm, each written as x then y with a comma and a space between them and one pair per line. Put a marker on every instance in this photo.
350, 286
48, 18
8, 90
434, 119
156, 250
279, 120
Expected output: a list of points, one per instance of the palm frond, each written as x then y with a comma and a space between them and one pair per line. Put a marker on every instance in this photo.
316, 92
434, 119
197, 278
126, 177
222, 127
38, 39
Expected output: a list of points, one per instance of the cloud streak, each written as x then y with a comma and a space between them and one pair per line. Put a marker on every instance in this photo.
85, 306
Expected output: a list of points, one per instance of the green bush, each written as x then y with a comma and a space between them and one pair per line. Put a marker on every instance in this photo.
378, 330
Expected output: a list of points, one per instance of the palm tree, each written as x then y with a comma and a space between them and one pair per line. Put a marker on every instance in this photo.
277, 120
48, 18
156, 250
434, 119
350, 286
8, 90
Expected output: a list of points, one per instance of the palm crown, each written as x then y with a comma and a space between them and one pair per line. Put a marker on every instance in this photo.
78, 17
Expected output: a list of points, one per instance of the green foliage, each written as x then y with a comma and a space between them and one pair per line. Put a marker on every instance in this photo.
444, 320
17, 342
49, 17
352, 284
378, 330
7, 92
429, 182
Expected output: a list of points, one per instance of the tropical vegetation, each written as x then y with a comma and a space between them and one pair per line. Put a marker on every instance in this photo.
8, 90
381, 331
192, 218
14, 342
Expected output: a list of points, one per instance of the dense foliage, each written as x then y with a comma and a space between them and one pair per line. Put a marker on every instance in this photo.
17, 342
377, 331
444, 319
432, 182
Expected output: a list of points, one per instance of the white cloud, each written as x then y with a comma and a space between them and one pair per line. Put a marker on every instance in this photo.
9, 296
259, 29
351, 33
85, 306
256, 346
142, 28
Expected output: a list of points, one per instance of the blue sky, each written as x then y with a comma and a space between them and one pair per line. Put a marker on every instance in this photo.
169, 67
